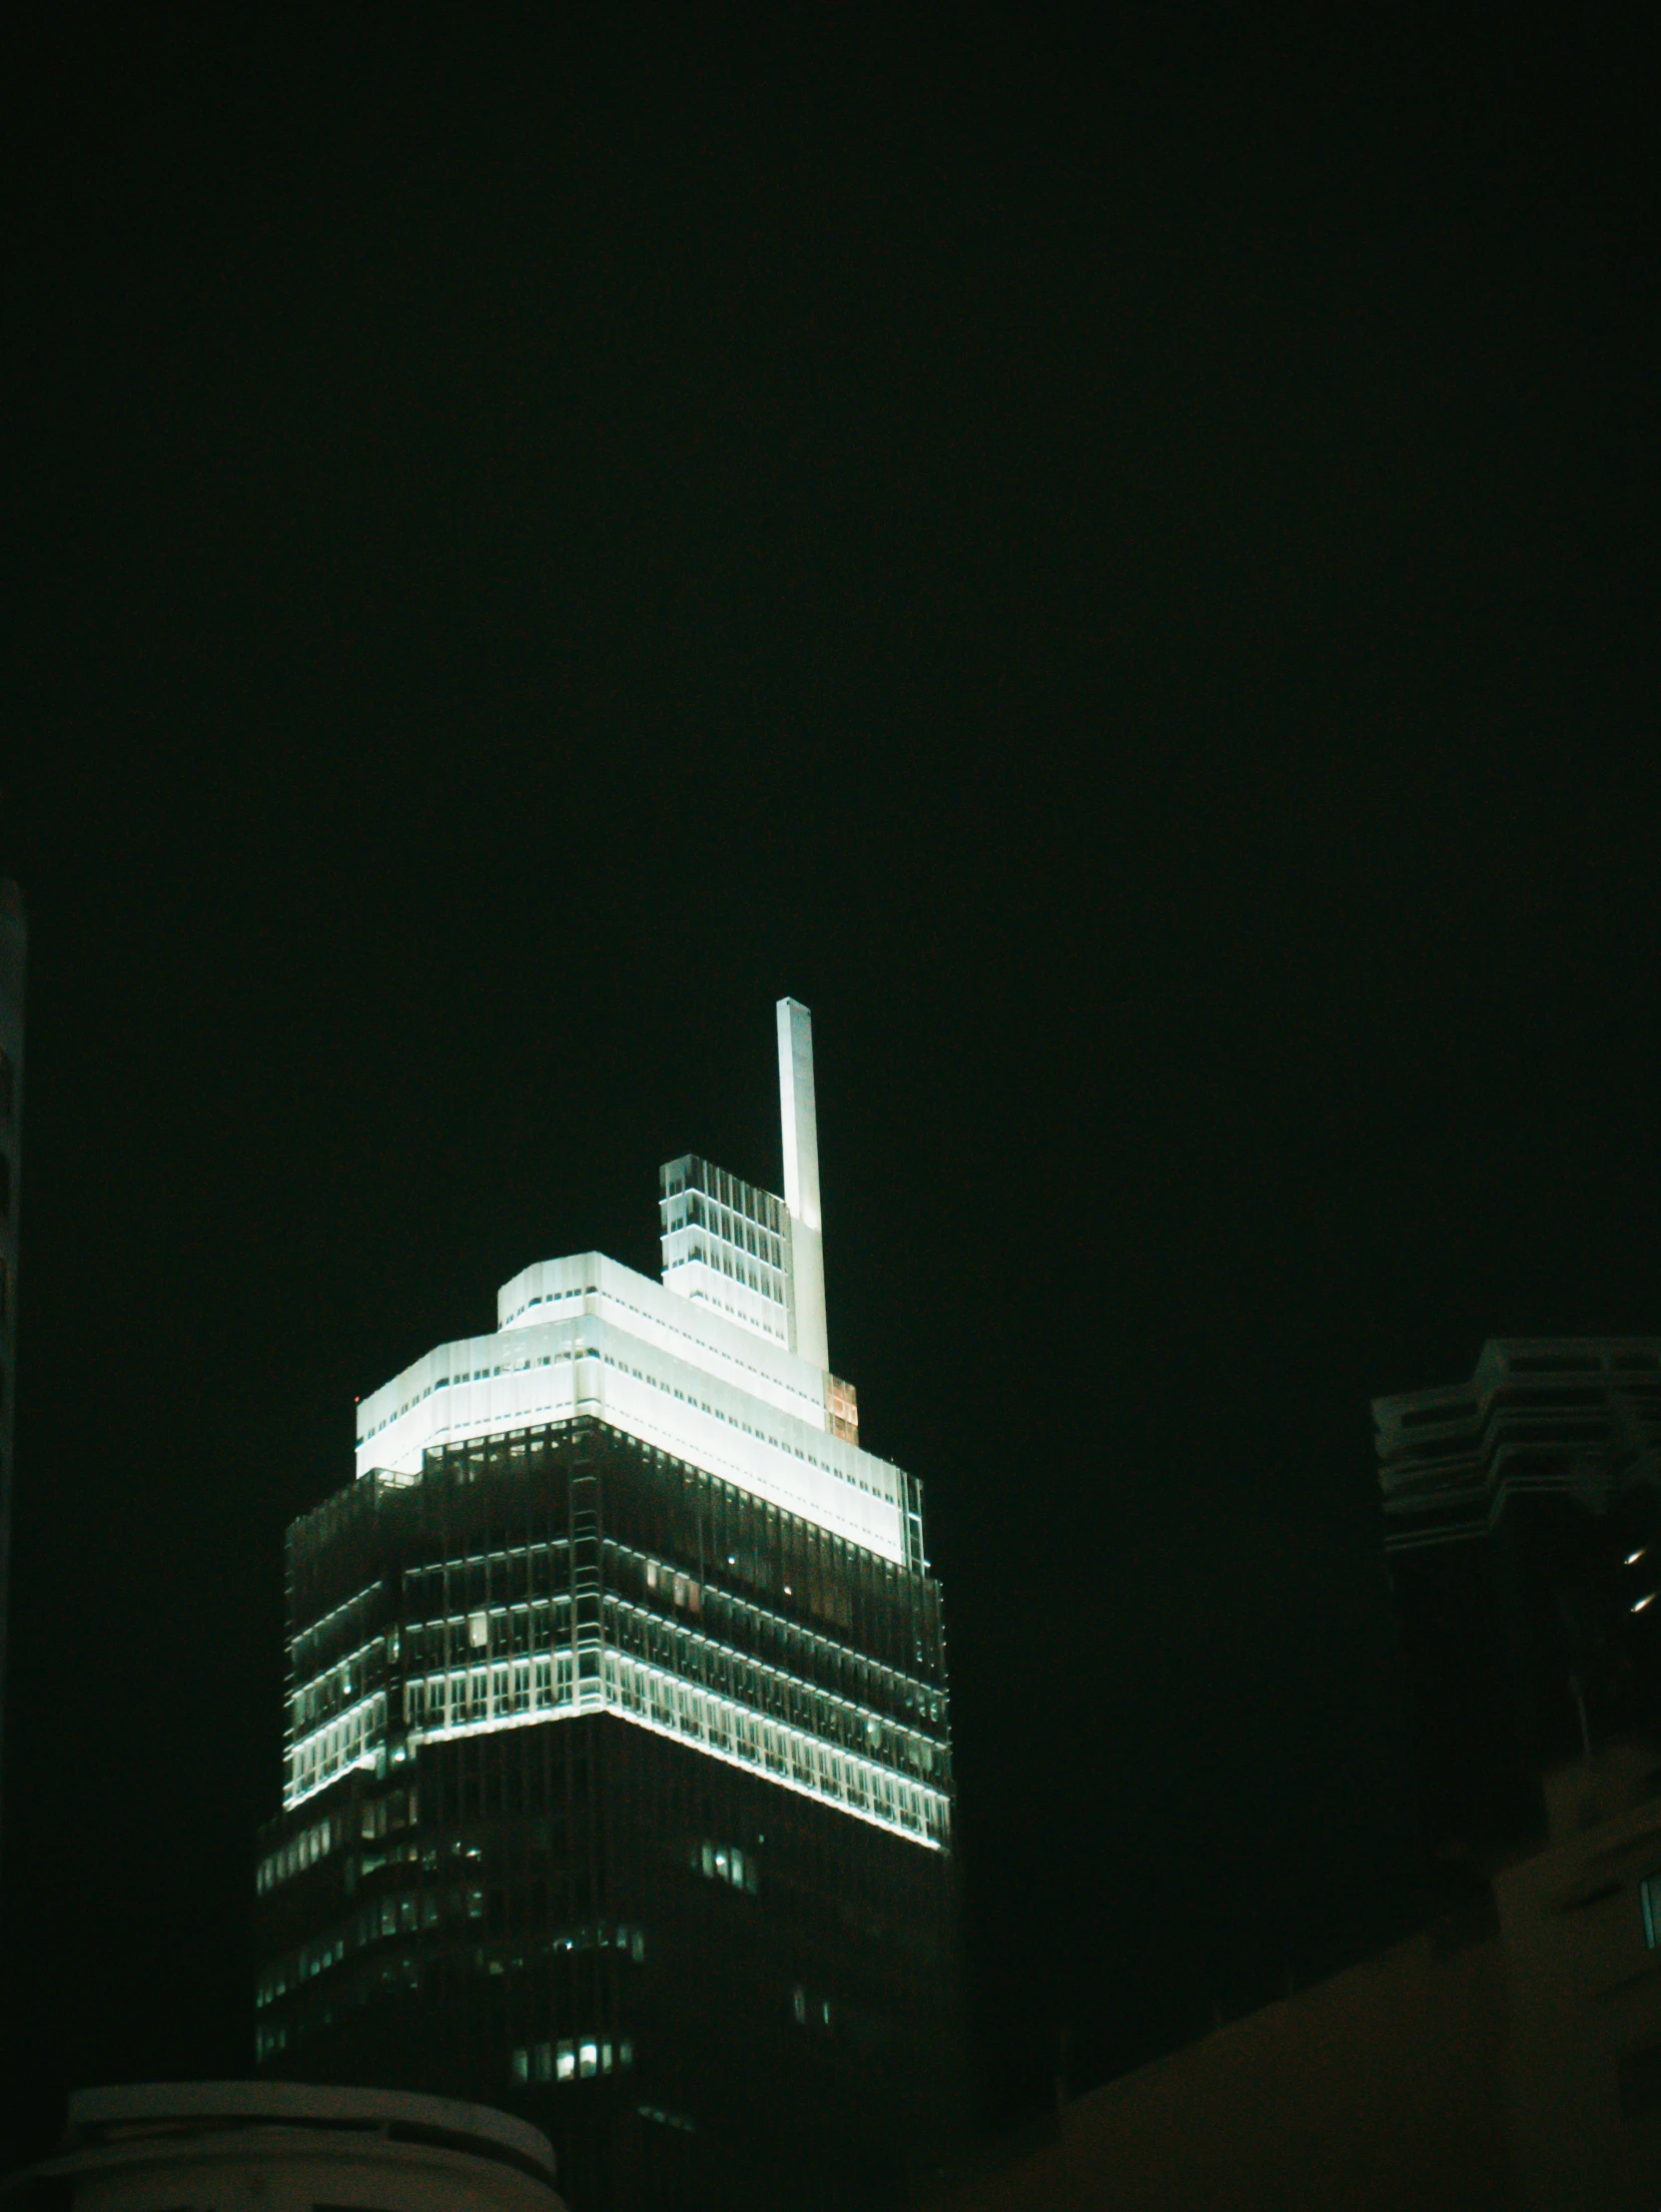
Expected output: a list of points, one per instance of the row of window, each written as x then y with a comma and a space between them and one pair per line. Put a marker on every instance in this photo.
500, 1633
508, 1689
416, 1910
680, 1588
575, 2058
697, 1658
691, 1173
741, 1230
301, 1851
516, 1629
331, 1627
753, 1305
551, 1297
524, 1692
366, 1988
352, 1740
385, 1916
656, 2113
727, 1863
540, 1683
375, 1817
334, 1690
799, 1761
806, 1562
703, 1353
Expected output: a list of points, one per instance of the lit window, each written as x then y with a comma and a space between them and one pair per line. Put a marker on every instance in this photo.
566, 2061
520, 2068
1649, 1896
588, 2060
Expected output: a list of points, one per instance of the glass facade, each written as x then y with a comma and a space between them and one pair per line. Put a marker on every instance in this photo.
727, 1244
622, 1801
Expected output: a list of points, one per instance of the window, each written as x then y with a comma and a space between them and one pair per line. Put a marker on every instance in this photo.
727, 1863
1649, 1897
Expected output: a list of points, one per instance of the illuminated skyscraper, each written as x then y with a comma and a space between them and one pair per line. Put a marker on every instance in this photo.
617, 1779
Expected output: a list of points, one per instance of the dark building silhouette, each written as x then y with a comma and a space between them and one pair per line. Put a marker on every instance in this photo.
1504, 2058
1524, 1530
617, 1776
14, 944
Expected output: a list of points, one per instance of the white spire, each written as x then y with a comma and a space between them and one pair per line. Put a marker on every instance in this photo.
801, 1182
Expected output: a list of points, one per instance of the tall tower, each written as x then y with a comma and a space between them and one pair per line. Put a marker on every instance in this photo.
617, 1776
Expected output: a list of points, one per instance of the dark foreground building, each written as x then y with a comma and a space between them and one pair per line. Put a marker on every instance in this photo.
1522, 1515
617, 1779
14, 944
1506, 2058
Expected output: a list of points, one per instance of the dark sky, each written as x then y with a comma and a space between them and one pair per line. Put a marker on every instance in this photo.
1121, 574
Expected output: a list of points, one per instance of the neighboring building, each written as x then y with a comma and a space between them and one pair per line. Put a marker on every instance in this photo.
1522, 1516
239, 2146
618, 1779
14, 943
1506, 2060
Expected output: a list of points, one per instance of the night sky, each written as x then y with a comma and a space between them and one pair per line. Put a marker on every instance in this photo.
1120, 575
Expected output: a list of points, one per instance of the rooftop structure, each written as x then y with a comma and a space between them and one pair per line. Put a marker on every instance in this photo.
1522, 1524
722, 1364
1579, 1417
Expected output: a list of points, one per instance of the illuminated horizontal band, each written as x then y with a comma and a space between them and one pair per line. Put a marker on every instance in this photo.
932, 1829
712, 1724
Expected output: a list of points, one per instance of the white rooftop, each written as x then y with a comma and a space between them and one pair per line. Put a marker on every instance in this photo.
723, 1364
